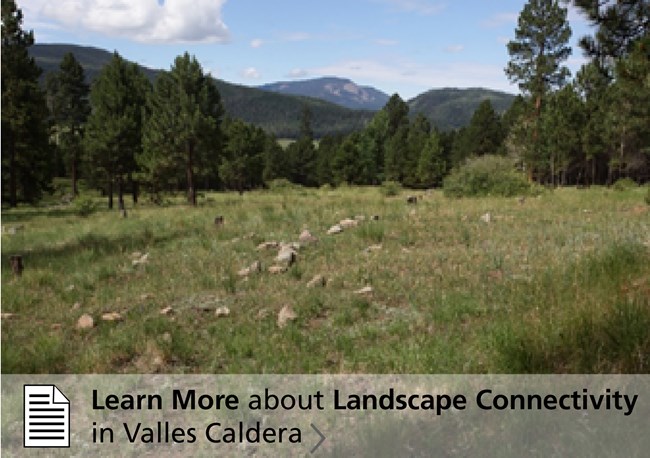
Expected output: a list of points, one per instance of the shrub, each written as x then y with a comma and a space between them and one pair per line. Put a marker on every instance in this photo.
624, 184
486, 176
84, 206
390, 188
281, 184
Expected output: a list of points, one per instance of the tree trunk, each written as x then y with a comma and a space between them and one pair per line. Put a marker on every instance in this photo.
73, 172
120, 194
191, 192
110, 193
135, 185
13, 179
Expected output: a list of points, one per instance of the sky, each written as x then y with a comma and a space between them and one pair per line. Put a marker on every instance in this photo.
403, 46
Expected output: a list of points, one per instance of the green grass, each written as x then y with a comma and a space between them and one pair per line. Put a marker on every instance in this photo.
560, 283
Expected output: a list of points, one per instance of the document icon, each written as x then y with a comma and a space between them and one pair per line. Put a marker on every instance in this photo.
47, 417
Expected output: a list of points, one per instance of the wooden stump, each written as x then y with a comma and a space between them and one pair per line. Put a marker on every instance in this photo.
17, 267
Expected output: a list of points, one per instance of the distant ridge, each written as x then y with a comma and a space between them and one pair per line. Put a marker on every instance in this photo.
278, 111
340, 91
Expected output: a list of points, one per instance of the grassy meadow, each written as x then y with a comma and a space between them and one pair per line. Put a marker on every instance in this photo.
558, 283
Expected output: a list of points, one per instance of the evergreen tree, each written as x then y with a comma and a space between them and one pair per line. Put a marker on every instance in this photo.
537, 53
26, 152
302, 153
181, 133
114, 127
431, 165
68, 102
275, 160
539, 49
417, 139
243, 156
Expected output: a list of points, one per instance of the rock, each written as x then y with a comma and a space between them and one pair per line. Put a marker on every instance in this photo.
56, 326
306, 237
146, 296
295, 246
336, 229
360, 218
70, 288
286, 314
141, 260
411, 200
112, 316
486, 218
222, 312
348, 223
287, 256
85, 322
7, 316
365, 290
245, 272
267, 246
372, 248
136, 255
317, 281
166, 337
167, 311
277, 270
76, 306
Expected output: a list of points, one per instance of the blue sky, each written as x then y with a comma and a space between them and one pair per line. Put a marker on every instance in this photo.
404, 46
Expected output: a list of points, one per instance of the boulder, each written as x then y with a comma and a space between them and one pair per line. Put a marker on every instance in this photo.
336, 229
306, 237
317, 281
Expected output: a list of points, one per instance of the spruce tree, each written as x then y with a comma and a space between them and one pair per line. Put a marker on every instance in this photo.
181, 134
114, 128
68, 101
26, 152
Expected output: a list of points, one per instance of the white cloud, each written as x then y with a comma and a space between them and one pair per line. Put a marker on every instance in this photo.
148, 21
454, 49
416, 6
251, 73
298, 73
296, 36
500, 20
391, 74
257, 43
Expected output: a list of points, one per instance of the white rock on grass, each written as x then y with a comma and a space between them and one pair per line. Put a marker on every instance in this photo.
112, 316
307, 237
277, 270
286, 256
365, 290
85, 321
222, 312
348, 223
336, 229
317, 281
486, 218
267, 246
286, 314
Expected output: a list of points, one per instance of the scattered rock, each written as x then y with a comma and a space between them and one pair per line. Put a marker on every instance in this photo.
112, 316
85, 322
7, 316
372, 248
70, 288
360, 218
56, 326
254, 268
166, 337
295, 246
76, 306
268, 246
146, 296
277, 269
287, 256
151, 360
141, 260
306, 237
167, 311
336, 229
317, 281
286, 314
136, 255
411, 200
348, 223
486, 218
262, 314
365, 290
222, 312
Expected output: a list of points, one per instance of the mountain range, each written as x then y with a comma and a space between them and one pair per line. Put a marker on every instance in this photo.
338, 106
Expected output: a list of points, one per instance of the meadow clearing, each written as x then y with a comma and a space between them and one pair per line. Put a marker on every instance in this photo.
556, 283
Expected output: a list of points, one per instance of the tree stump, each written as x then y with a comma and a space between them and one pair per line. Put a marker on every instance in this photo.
218, 221
17, 267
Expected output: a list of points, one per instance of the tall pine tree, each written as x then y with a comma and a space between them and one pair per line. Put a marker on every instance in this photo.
26, 152
67, 94
114, 128
182, 127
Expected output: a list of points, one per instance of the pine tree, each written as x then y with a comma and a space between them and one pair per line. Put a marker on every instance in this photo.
539, 49
537, 53
114, 128
243, 156
26, 152
181, 134
431, 164
68, 101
